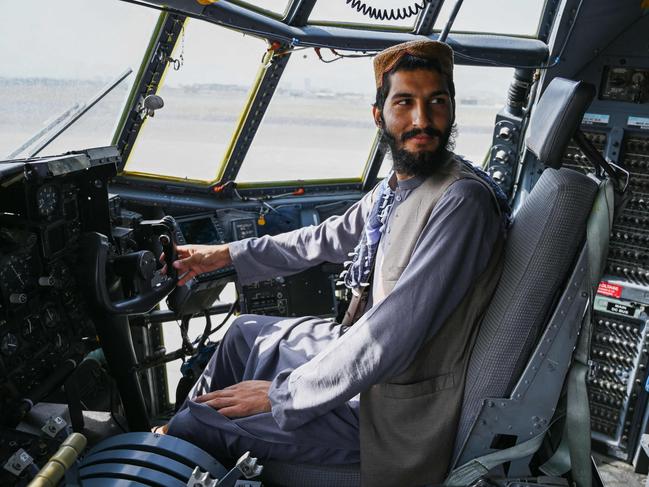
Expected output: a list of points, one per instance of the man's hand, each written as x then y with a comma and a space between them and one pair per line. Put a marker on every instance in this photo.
197, 259
243, 399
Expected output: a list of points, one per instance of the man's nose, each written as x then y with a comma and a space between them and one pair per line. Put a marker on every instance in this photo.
422, 116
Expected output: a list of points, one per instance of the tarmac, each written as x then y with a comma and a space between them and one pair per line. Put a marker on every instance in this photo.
615, 473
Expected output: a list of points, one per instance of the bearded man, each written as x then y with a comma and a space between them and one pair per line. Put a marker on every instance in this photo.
385, 387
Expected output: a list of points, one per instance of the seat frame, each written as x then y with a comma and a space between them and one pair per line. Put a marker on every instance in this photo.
532, 403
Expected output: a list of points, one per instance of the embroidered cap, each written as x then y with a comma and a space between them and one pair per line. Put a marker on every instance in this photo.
433, 50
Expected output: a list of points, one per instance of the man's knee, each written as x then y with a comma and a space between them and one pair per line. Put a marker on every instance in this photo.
236, 332
242, 334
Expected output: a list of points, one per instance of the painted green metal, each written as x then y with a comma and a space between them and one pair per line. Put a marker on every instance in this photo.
140, 73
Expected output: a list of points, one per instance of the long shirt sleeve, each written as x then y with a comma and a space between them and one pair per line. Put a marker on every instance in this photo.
261, 258
452, 251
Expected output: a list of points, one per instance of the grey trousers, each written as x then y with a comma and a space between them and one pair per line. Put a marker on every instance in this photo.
258, 348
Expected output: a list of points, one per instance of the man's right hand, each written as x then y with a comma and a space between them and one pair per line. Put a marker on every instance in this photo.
197, 259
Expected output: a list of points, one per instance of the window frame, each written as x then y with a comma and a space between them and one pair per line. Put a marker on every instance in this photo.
236, 15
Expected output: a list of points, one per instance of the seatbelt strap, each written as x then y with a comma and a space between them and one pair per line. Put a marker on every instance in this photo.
478, 467
573, 452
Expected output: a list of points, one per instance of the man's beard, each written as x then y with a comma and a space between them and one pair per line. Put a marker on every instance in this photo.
422, 163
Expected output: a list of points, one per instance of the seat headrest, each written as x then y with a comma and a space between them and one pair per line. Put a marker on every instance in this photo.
556, 117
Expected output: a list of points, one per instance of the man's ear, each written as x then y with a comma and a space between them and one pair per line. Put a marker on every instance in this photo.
376, 113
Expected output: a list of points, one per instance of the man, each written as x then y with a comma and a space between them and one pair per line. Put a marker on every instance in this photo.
426, 246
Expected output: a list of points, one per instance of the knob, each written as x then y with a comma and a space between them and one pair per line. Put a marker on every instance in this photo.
46, 281
498, 176
504, 133
18, 298
501, 156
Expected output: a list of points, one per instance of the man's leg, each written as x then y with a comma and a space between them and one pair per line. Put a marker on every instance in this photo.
228, 364
258, 347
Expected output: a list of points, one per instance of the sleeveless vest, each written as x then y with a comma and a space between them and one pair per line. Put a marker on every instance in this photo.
408, 425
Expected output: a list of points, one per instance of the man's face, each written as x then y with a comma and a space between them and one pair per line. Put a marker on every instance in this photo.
416, 119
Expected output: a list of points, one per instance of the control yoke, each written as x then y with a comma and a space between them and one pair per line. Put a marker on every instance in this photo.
138, 270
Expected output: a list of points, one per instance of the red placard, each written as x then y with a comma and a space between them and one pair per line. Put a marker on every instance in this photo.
610, 290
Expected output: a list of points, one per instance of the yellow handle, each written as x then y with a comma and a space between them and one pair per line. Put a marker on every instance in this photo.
54, 469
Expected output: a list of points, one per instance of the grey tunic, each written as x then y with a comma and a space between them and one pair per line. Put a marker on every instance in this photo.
317, 371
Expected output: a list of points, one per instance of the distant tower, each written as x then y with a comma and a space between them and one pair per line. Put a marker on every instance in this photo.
307, 84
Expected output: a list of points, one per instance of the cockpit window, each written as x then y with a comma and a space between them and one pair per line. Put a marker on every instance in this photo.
481, 93
507, 17
341, 12
204, 91
58, 57
318, 124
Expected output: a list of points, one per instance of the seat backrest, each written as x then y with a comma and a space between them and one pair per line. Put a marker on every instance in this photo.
544, 242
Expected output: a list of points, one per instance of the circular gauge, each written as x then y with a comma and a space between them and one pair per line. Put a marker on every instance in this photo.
9, 344
47, 199
15, 273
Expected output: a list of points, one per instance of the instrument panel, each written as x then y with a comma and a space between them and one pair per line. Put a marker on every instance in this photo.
617, 124
307, 293
44, 318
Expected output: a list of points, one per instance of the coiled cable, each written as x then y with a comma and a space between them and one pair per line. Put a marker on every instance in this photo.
400, 13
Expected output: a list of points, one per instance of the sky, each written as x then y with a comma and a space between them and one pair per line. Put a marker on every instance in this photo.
98, 39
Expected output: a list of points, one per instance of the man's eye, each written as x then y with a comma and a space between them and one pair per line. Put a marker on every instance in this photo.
438, 101
403, 102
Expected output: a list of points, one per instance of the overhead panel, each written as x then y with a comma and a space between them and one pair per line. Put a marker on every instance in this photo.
205, 89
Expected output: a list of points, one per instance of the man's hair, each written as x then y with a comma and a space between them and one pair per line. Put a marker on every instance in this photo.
409, 63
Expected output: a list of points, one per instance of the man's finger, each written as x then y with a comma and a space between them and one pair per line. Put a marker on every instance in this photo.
187, 276
232, 412
182, 264
212, 395
222, 402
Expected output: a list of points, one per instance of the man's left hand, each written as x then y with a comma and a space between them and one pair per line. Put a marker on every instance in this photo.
239, 400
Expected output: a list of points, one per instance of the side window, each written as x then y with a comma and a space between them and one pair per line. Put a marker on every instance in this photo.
480, 93
47, 82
